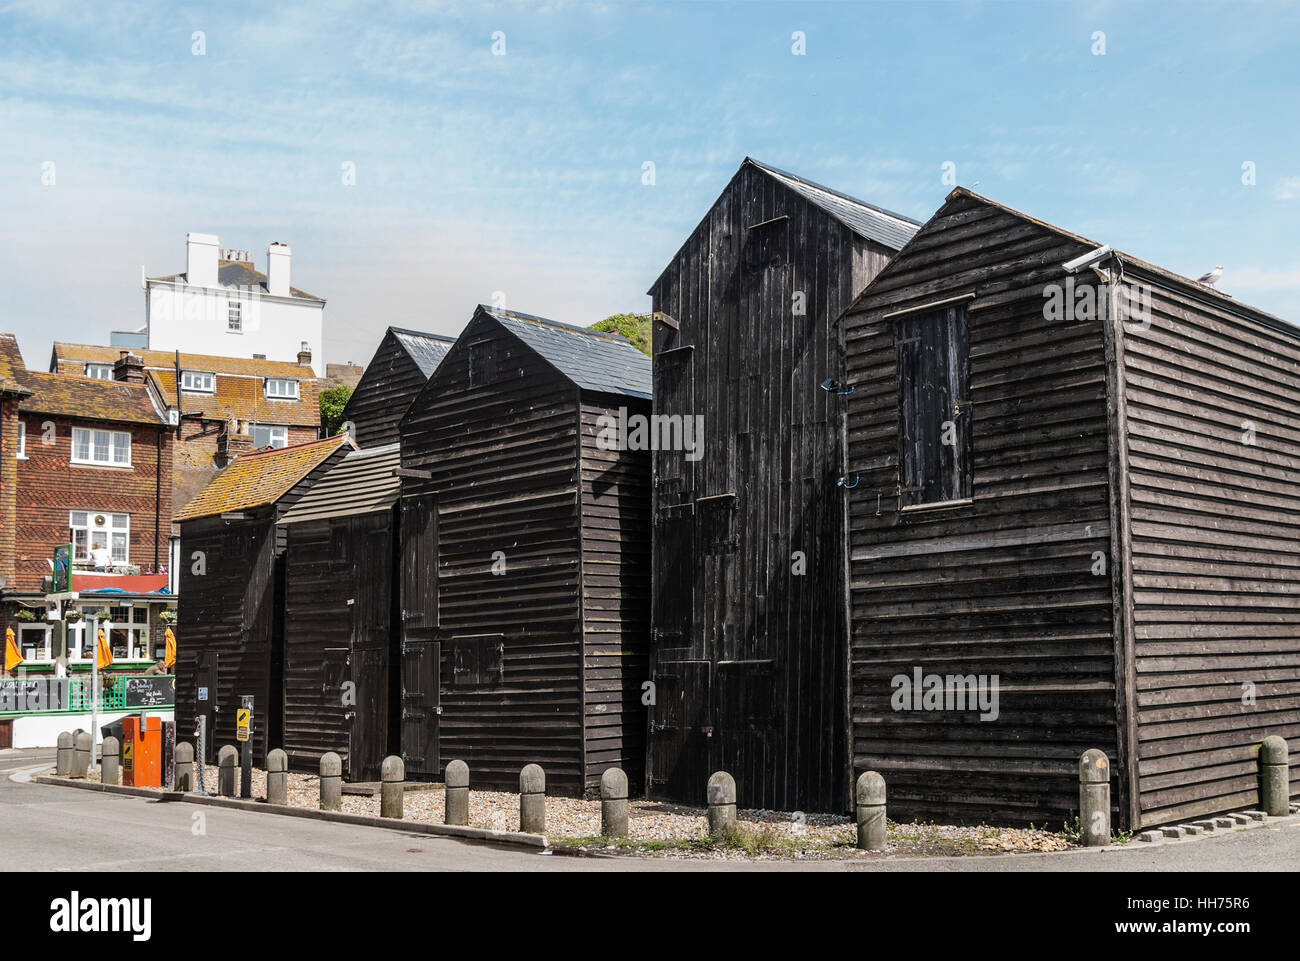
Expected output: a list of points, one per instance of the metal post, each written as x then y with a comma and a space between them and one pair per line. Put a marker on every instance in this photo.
94, 674
246, 750
201, 732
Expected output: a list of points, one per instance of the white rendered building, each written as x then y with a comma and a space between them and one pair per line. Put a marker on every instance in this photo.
221, 305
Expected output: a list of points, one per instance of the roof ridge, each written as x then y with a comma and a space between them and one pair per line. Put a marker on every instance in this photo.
336, 438
422, 333
545, 321
831, 190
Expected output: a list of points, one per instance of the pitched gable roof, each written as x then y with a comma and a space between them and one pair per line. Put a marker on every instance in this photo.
363, 482
239, 383
11, 366
260, 478
427, 350
85, 398
591, 359
1219, 298
867, 220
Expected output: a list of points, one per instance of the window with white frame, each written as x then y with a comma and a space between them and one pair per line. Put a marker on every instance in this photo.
281, 388
199, 381
95, 529
100, 371
234, 316
126, 628
111, 448
34, 642
20, 449
270, 435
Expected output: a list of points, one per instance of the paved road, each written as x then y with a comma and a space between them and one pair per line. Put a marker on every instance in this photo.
46, 825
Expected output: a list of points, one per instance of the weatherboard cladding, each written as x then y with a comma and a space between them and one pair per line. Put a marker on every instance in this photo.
395, 375
364, 482
593, 360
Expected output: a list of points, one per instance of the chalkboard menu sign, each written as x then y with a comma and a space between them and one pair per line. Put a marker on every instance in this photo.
150, 691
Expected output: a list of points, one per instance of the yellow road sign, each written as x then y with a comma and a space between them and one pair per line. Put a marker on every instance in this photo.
241, 724
128, 754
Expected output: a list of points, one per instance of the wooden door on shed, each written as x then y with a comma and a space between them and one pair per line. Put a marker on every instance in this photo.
421, 650
420, 708
205, 700
368, 736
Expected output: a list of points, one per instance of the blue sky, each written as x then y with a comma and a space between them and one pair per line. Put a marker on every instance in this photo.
522, 173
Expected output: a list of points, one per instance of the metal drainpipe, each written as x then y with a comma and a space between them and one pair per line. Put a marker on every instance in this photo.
157, 497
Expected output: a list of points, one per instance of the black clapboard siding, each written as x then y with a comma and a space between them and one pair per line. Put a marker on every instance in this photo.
1003, 585
748, 657
389, 384
510, 465
1216, 578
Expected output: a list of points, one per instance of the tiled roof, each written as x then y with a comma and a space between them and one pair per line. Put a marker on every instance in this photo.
427, 350
363, 482
11, 365
875, 223
236, 274
260, 478
592, 359
240, 392
85, 398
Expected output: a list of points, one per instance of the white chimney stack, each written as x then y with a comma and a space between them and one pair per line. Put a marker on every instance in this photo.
201, 259
277, 269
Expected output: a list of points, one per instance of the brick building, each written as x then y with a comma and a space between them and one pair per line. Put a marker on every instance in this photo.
224, 406
86, 463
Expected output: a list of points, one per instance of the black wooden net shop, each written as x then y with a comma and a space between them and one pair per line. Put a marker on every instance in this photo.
749, 615
525, 547
340, 639
1098, 509
232, 590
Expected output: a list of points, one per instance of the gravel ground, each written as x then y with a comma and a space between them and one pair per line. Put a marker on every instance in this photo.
658, 829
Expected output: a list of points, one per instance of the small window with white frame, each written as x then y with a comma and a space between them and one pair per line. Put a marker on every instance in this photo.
100, 530
198, 381
270, 435
234, 316
104, 448
281, 388
100, 371
20, 449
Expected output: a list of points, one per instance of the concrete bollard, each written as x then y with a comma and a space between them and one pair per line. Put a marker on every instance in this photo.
110, 762
277, 777
869, 809
391, 774
184, 755
1094, 798
1274, 777
63, 755
722, 804
456, 794
81, 754
532, 799
331, 782
613, 803
227, 768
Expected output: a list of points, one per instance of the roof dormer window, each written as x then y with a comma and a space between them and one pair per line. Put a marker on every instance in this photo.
100, 371
198, 381
281, 388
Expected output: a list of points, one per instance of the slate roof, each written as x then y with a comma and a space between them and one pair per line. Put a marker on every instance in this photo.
427, 350
237, 274
363, 482
240, 391
867, 220
11, 366
592, 359
85, 398
260, 478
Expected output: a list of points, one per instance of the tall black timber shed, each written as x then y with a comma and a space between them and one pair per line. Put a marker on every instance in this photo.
525, 553
401, 366
231, 585
1110, 528
340, 596
749, 657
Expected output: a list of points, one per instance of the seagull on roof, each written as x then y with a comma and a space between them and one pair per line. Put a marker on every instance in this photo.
1212, 276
